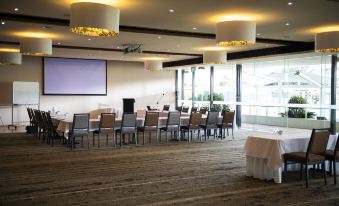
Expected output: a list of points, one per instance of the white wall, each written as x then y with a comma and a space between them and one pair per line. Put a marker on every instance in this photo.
124, 80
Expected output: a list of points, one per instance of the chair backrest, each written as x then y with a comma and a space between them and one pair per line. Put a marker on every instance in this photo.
336, 149
318, 141
173, 118
194, 109
50, 121
129, 120
195, 118
185, 109
212, 118
149, 108
166, 108
45, 120
179, 108
228, 117
29, 115
203, 110
151, 119
80, 122
38, 118
107, 121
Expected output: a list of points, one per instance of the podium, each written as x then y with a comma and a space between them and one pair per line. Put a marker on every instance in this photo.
128, 105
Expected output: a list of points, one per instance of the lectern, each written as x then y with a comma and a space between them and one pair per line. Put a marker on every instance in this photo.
128, 105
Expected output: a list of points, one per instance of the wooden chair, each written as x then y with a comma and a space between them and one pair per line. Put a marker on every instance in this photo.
106, 127
166, 108
203, 110
128, 126
193, 125
194, 109
333, 156
80, 128
53, 134
185, 109
211, 123
314, 155
227, 123
150, 125
172, 125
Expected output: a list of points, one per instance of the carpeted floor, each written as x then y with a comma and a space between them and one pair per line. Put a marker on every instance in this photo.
208, 173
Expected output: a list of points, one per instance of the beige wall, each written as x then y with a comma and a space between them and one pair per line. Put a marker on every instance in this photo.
124, 80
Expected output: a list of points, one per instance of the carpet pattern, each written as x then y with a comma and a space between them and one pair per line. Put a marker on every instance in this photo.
179, 173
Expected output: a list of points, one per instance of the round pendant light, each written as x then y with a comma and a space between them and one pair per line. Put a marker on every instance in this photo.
94, 19
10, 58
153, 65
36, 46
236, 33
214, 57
327, 42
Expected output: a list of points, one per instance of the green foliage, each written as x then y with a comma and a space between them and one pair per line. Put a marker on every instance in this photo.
221, 107
297, 112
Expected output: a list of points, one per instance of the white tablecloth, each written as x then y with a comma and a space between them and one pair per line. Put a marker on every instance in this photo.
264, 152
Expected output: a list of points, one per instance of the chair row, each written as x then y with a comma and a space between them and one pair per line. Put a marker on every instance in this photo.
129, 127
316, 154
42, 125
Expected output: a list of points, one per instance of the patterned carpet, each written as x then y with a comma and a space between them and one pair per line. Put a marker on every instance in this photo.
208, 173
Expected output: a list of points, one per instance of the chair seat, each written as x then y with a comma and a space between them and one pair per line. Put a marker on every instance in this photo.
126, 130
225, 125
104, 131
190, 127
301, 157
329, 155
148, 129
213, 126
78, 133
170, 128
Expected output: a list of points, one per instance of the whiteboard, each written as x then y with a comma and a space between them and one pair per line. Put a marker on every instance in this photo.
26, 92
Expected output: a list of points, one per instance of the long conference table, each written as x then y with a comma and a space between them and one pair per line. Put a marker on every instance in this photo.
64, 124
264, 152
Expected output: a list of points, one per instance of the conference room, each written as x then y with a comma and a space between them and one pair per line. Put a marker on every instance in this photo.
140, 102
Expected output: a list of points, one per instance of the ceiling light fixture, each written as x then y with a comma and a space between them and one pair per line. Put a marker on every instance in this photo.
215, 57
290, 3
194, 28
10, 58
153, 65
36, 46
287, 24
94, 19
235, 33
16, 9
3, 23
171, 10
327, 42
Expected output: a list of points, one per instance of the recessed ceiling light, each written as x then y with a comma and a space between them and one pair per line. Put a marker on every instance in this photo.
3, 23
89, 39
118, 47
287, 24
290, 3
258, 34
58, 43
194, 28
16, 9
159, 37
171, 10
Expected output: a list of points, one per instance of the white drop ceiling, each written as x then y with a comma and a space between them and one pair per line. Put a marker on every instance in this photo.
306, 17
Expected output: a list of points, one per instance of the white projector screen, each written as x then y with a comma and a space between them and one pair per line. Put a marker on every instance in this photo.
63, 76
